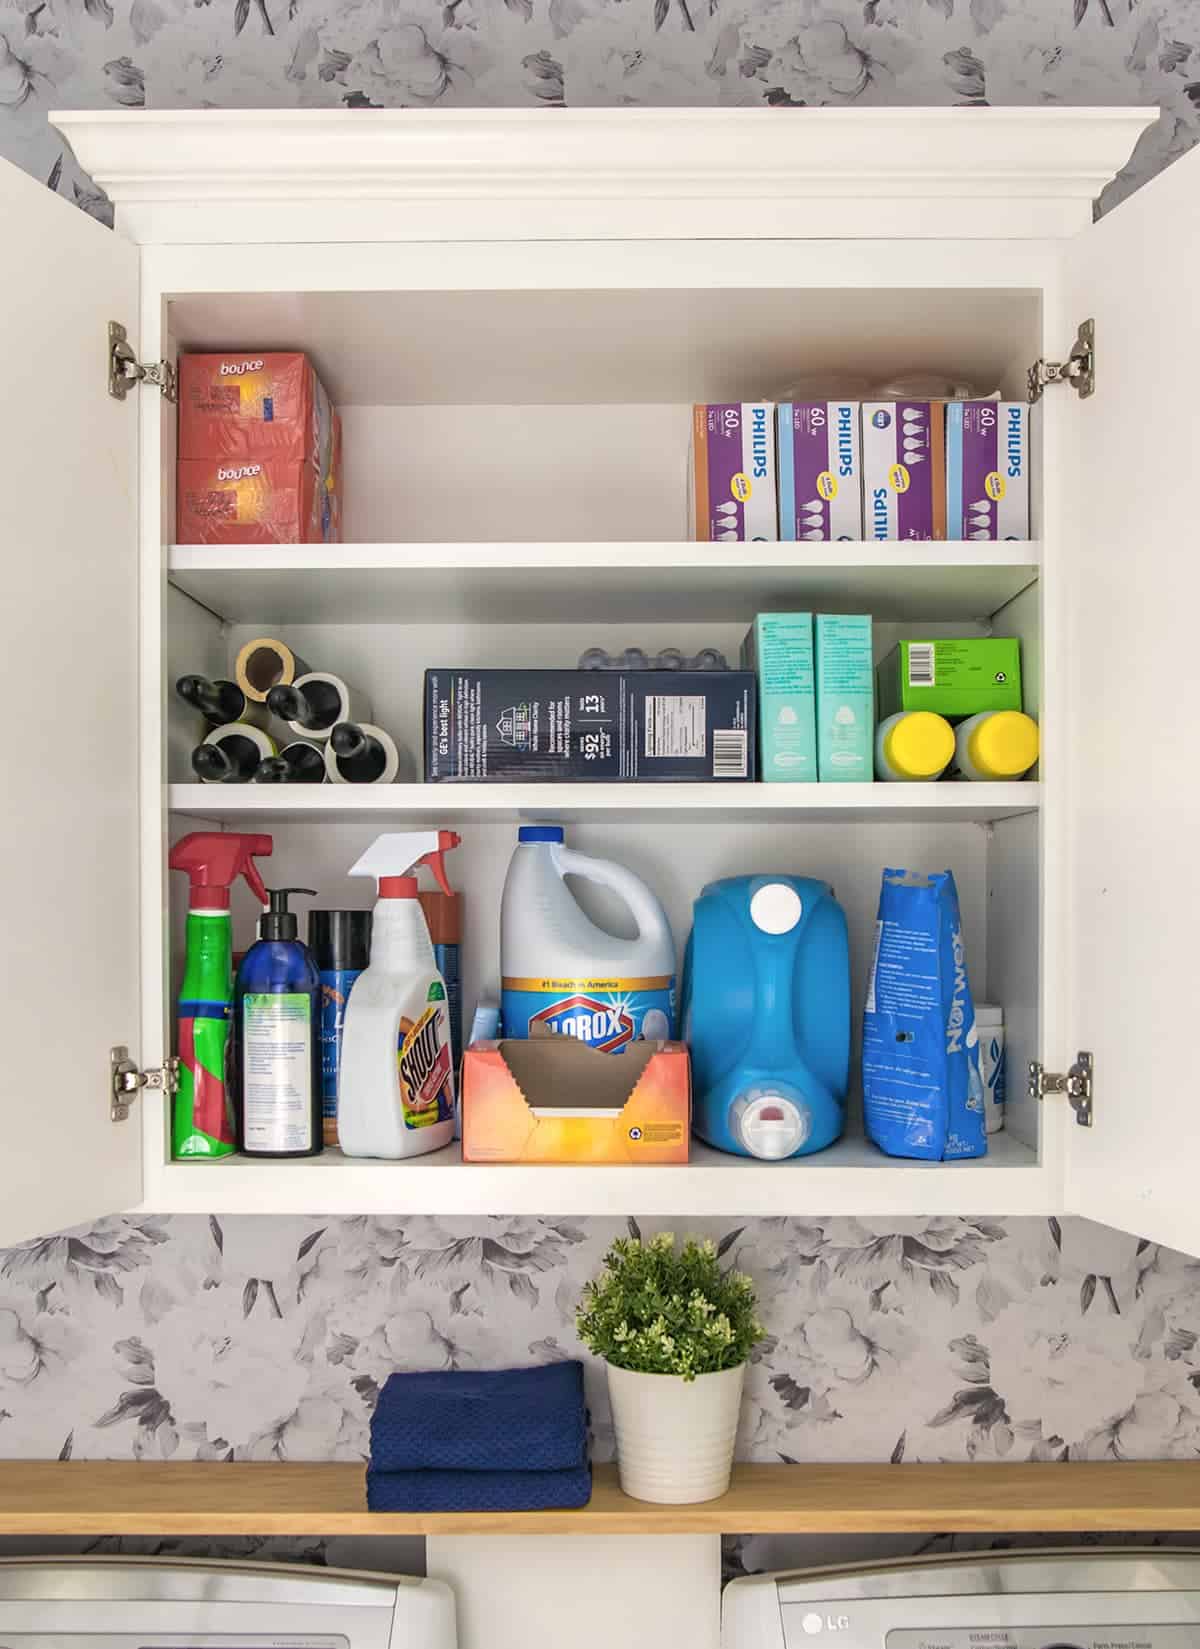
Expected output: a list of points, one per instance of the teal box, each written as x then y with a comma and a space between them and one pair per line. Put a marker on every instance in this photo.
779, 649
845, 699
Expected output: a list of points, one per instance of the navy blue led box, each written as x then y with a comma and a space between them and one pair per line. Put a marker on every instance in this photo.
635, 725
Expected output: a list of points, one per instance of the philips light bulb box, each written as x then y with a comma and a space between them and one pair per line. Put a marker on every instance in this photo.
845, 698
779, 649
987, 469
551, 1098
651, 726
820, 470
733, 472
904, 469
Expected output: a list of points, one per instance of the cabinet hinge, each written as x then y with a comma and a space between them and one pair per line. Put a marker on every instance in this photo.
1076, 1085
1079, 368
126, 1081
125, 370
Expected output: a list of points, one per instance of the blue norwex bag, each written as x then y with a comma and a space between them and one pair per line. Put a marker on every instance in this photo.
922, 1086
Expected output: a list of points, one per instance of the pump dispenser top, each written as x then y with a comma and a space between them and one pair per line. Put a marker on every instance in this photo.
214, 861
277, 1039
394, 859
278, 922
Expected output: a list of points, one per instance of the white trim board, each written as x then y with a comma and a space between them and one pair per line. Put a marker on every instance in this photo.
253, 175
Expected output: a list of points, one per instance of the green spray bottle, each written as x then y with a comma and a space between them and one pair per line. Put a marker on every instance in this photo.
202, 1120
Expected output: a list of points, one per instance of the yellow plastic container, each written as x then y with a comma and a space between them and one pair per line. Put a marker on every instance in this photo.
913, 746
996, 744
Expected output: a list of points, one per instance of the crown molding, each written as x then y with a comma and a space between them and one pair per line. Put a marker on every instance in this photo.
720, 173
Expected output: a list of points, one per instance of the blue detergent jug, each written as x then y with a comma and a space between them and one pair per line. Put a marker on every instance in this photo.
766, 1004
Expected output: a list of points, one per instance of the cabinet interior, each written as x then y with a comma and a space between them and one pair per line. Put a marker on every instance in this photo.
493, 417
564, 416
995, 865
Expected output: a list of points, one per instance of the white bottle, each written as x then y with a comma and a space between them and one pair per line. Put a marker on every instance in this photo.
989, 1021
561, 972
913, 746
995, 744
396, 1075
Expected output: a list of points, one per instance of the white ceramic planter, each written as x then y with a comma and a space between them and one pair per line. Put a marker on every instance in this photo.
675, 1437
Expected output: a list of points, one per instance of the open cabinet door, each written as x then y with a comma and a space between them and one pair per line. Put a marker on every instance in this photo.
68, 823
1125, 511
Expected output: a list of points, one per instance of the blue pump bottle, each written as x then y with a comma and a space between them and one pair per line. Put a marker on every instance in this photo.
766, 1003
277, 1039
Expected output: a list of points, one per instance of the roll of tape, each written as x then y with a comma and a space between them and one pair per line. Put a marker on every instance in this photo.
286, 767
353, 706
391, 766
264, 663
265, 745
256, 714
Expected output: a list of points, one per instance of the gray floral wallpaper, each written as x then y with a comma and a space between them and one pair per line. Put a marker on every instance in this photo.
268, 1337
549, 53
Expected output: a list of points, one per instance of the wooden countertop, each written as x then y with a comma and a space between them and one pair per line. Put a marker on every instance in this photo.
181, 1497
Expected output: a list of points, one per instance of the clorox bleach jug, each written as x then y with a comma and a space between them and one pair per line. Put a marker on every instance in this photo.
559, 970
766, 1014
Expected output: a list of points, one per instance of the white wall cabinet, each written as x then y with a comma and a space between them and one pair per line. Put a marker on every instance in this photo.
514, 312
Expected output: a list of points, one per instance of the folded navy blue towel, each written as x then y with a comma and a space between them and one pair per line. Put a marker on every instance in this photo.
475, 1491
497, 1420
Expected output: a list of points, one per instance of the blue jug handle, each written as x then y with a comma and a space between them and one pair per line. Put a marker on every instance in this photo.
773, 1044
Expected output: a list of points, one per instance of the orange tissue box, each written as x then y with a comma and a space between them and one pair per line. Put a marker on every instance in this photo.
553, 1099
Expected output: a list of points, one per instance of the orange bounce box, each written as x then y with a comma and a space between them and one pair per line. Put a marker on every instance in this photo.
260, 452
243, 405
552, 1099
256, 501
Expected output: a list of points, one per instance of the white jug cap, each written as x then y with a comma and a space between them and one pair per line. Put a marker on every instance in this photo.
769, 1125
776, 908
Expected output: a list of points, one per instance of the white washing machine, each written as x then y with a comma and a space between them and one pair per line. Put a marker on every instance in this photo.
155, 1603
1075, 1599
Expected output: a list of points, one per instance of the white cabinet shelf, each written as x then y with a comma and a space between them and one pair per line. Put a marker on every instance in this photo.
607, 582
850, 1178
441, 803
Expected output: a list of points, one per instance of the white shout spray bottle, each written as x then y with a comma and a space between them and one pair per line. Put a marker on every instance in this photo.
396, 1078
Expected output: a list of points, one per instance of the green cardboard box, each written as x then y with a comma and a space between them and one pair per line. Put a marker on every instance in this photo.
951, 677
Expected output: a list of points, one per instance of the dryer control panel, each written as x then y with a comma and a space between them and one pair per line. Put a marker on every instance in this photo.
1084, 1599
1114, 1636
152, 1603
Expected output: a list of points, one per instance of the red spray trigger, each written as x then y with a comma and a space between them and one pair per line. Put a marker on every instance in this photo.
446, 840
394, 860
253, 845
214, 861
